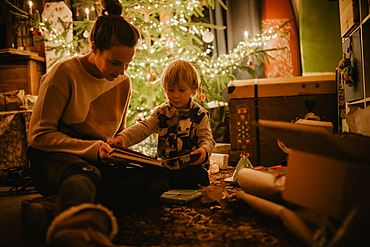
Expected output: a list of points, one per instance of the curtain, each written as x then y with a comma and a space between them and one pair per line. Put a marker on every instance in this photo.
240, 16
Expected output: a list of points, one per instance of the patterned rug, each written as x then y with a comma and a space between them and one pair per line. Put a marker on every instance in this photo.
202, 224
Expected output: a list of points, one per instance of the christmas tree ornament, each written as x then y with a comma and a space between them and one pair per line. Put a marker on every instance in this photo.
208, 37
152, 77
201, 97
86, 34
250, 62
40, 32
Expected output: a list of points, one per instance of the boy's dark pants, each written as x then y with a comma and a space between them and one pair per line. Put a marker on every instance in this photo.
191, 177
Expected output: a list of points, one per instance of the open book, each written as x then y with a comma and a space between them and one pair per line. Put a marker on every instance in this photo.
137, 158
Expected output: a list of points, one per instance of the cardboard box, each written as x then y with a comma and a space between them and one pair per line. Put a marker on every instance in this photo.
282, 99
326, 173
222, 160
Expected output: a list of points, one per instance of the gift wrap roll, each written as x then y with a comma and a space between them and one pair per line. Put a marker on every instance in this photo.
262, 184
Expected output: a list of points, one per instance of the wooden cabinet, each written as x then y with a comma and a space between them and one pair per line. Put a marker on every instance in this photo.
20, 70
356, 45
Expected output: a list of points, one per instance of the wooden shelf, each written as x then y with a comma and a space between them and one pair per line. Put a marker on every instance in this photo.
358, 40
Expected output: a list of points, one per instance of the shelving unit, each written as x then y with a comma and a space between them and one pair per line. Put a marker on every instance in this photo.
355, 29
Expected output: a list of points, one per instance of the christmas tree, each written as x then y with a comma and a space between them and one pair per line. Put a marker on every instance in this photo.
170, 29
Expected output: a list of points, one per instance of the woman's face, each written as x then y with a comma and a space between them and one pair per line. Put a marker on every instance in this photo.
113, 62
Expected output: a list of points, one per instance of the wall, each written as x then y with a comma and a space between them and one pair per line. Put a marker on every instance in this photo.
319, 32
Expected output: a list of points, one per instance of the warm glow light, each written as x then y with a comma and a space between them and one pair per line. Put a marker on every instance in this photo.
30, 7
87, 11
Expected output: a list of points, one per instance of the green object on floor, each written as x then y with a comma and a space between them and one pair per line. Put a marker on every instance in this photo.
244, 162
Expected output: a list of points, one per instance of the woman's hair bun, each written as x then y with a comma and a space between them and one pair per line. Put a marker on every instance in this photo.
112, 7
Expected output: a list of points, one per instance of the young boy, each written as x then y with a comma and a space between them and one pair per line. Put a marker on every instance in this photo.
183, 127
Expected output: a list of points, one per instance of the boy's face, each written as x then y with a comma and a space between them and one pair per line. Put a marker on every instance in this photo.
179, 95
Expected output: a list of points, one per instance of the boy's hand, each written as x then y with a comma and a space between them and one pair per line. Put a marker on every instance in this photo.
202, 157
118, 142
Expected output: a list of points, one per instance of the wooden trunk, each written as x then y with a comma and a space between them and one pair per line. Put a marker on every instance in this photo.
282, 99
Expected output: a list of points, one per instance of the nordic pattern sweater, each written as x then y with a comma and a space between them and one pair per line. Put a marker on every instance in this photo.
179, 131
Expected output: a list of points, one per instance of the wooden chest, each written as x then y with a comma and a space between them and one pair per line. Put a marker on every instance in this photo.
282, 99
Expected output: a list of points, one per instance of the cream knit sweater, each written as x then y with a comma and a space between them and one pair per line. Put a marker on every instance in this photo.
75, 112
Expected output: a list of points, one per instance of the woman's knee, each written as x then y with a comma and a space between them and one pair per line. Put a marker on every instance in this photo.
91, 172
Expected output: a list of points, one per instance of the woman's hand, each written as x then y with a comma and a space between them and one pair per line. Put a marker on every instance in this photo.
202, 157
106, 149
104, 152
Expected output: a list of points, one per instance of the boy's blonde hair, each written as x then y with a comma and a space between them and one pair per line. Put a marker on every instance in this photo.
180, 71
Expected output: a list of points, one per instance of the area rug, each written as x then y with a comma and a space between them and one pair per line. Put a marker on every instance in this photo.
202, 224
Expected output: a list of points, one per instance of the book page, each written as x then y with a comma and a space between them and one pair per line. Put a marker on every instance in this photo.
180, 162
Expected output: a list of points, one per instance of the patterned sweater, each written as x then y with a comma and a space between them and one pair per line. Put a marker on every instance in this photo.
180, 131
75, 112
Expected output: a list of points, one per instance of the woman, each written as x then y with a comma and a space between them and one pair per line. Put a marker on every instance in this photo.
81, 108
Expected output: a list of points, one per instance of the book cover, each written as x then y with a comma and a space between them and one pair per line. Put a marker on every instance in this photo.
132, 156
135, 157
179, 196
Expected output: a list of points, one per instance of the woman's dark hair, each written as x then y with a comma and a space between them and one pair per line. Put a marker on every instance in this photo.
111, 28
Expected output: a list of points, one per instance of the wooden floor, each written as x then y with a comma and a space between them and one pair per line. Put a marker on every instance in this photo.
11, 233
